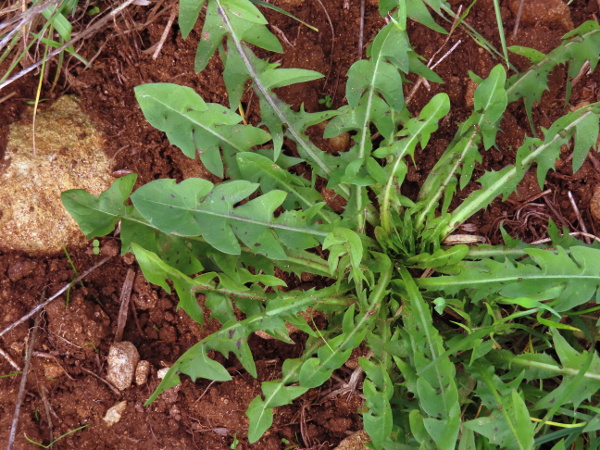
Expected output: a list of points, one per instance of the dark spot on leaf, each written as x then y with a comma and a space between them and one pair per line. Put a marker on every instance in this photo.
223, 198
256, 244
231, 333
172, 195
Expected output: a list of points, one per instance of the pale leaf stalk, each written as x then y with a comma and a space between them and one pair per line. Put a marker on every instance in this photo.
431, 203
298, 137
487, 379
385, 203
560, 371
470, 207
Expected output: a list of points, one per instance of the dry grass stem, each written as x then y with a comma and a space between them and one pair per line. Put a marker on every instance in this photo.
421, 80
579, 217
163, 38
23, 385
518, 19
125, 296
87, 32
7, 357
112, 388
574, 234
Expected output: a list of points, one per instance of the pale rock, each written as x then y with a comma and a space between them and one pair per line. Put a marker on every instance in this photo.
68, 155
114, 413
355, 441
141, 372
122, 361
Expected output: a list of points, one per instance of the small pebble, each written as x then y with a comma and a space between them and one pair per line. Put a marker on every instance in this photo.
141, 372
114, 413
122, 361
162, 372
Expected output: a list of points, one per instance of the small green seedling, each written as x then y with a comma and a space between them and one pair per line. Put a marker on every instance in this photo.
12, 374
96, 247
326, 101
39, 444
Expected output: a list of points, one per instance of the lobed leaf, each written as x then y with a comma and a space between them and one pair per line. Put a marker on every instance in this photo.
567, 280
197, 127
97, 216
196, 208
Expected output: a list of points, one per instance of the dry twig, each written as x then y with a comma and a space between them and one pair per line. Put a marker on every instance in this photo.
54, 297
518, 20
21, 395
579, 217
125, 296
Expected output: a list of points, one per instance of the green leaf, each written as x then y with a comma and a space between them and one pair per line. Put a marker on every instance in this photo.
97, 216
569, 280
211, 36
192, 208
577, 387
580, 45
261, 419
244, 10
379, 76
274, 78
378, 390
490, 97
259, 169
195, 126
188, 15
586, 136
436, 388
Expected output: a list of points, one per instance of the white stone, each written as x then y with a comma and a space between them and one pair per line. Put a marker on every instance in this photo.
122, 361
141, 372
114, 413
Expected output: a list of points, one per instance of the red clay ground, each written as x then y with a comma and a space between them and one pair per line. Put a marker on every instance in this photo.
63, 389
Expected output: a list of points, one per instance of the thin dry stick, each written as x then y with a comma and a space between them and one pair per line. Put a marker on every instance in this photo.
125, 296
332, 29
54, 297
7, 96
421, 79
92, 29
9, 359
361, 28
21, 395
518, 20
574, 234
55, 359
578, 214
43, 394
163, 38
585, 70
112, 388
